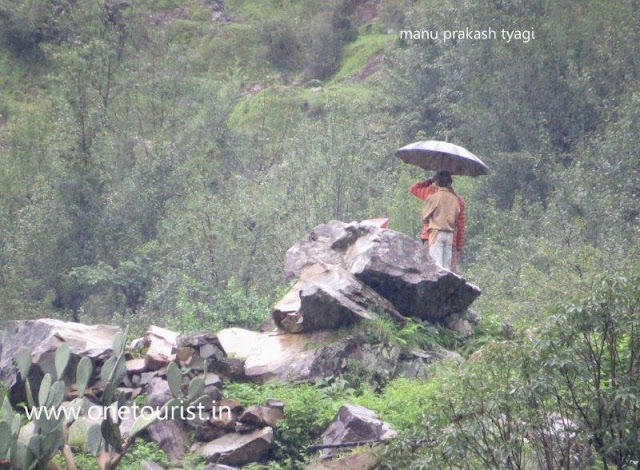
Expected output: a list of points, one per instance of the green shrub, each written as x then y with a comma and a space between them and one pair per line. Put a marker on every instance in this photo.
589, 352
403, 403
414, 334
307, 415
25, 24
324, 49
201, 307
284, 48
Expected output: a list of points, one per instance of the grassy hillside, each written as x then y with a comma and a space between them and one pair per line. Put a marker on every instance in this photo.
157, 159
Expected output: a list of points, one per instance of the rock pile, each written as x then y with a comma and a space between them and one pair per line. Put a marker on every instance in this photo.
345, 273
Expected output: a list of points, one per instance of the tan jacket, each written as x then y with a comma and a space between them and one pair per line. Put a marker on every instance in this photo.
441, 210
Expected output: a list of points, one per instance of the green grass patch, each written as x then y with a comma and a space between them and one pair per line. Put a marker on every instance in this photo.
271, 109
403, 402
357, 54
140, 450
263, 10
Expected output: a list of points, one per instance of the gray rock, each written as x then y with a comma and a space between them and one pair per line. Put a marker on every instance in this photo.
305, 357
162, 346
223, 419
211, 351
362, 460
400, 269
213, 391
208, 432
138, 343
146, 465
261, 416
172, 436
42, 337
146, 377
274, 403
136, 366
218, 466
213, 379
315, 248
459, 325
355, 423
237, 449
184, 353
196, 339
328, 297
158, 392
395, 265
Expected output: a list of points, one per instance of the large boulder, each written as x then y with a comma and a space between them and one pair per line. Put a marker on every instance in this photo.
306, 357
363, 460
314, 247
162, 347
42, 337
237, 449
354, 424
393, 264
416, 364
328, 297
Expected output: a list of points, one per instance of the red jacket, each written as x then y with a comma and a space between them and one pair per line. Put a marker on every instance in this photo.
426, 188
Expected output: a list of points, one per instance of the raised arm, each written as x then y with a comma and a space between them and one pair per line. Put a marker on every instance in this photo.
423, 189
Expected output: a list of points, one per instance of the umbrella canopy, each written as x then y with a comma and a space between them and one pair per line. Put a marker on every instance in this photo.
437, 155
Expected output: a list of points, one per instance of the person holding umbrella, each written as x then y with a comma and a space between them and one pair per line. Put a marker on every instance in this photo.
444, 219
444, 212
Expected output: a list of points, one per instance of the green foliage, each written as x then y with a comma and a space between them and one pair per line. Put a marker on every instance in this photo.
284, 48
334, 387
307, 414
324, 49
544, 403
143, 450
49, 436
590, 351
25, 24
201, 307
405, 403
357, 54
414, 334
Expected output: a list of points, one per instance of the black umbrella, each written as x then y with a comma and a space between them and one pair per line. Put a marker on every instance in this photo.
437, 155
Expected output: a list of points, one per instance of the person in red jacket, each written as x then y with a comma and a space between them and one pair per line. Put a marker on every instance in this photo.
423, 190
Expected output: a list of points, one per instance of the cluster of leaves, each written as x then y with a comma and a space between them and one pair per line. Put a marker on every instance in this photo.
566, 399
307, 415
414, 334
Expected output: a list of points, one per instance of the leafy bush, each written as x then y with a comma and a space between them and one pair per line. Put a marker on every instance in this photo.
307, 415
415, 333
403, 403
549, 403
284, 48
590, 351
27, 23
143, 450
324, 49
201, 307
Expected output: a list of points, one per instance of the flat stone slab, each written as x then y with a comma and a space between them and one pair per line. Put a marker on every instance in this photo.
237, 449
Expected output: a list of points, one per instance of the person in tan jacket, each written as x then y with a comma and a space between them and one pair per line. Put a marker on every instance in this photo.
440, 213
